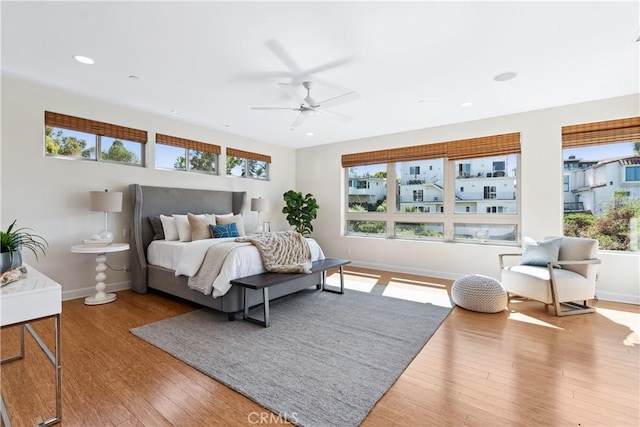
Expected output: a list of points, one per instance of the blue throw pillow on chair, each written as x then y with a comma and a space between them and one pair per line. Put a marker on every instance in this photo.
228, 230
540, 253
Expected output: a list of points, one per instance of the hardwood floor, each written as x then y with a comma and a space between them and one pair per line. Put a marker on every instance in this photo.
526, 367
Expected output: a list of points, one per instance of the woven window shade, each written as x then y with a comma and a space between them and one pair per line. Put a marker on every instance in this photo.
94, 127
453, 150
248, 155
495, 145
621, 130
187, 143
417, 152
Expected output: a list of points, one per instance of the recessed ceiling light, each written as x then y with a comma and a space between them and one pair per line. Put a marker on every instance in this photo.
175, 112
226, 125
83, 59
309, 133
132, 77
421, 101
505, 76
466, 104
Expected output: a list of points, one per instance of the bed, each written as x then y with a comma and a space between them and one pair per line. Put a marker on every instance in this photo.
152, 201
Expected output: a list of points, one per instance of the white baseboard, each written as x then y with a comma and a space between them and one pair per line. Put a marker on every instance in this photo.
616, 297
416, 271
88, 291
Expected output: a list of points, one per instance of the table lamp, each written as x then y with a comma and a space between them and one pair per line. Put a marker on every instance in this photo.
259, 205
105, 201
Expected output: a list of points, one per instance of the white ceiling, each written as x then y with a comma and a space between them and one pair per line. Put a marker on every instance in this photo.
412, 63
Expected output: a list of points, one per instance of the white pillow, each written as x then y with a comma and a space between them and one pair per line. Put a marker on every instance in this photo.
184, 229
228, 219
169, 227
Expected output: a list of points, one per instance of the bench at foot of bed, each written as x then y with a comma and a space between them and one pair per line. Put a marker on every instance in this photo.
265, 280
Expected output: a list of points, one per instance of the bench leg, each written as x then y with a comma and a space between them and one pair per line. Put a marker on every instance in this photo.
324, 282
265, 309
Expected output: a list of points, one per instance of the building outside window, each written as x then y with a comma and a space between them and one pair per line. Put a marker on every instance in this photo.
413, 201
601, 183
602, 198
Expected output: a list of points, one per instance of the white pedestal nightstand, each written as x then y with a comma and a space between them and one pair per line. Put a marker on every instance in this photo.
100, 297
34, 298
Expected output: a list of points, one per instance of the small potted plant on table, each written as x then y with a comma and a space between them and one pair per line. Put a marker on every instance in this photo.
13, 240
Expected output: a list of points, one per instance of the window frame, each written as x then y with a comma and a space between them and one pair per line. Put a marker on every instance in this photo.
98, 130
446, 216
97, 149
246, 157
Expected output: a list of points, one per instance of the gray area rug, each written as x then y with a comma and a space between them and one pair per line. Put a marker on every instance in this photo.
325, 360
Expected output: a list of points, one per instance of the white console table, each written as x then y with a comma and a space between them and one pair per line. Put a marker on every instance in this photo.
34, 298
101, 260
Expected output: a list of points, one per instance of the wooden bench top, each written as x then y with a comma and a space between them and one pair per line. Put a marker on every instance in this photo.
265, 280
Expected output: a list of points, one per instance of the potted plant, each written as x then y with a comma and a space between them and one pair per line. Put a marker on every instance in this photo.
13, 240
300, 210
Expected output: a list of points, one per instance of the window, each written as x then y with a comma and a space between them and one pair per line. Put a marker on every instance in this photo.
186, 155
367, 228
245, 164
419, 230
422, 192
632, 173
417, 176
367, 191
602, 190
490, 192
77, 138
464, 170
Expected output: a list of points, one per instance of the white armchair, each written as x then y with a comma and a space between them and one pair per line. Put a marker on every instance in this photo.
567, 283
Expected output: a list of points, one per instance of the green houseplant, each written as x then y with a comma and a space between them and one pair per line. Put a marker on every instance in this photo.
300, 210
13, 240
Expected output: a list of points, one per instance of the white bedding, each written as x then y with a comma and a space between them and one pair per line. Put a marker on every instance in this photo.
186, 257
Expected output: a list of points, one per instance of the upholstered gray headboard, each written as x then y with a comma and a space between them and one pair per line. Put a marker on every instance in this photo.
151, 201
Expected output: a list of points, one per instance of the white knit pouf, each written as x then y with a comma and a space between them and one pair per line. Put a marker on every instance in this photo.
479, 293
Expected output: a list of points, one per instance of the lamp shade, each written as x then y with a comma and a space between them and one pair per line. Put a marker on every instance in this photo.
105, 201
259, 205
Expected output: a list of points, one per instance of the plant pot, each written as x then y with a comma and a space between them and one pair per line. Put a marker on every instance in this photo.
9, 260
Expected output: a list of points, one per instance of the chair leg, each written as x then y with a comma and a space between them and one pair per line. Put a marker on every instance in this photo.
571, 308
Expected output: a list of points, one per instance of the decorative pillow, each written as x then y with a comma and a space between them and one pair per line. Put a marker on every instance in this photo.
169, 227
237, 219
540, 253
156, 225
199, 225
228, 230
184, 230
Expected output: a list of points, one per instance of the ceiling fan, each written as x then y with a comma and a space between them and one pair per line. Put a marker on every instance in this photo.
309, 106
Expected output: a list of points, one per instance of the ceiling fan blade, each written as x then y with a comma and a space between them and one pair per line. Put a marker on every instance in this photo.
291, 91
339, 116
301, 118
340, 99
283, 55
302, 74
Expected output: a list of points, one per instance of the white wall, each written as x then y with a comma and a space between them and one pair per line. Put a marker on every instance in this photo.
320, 173
52, 195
